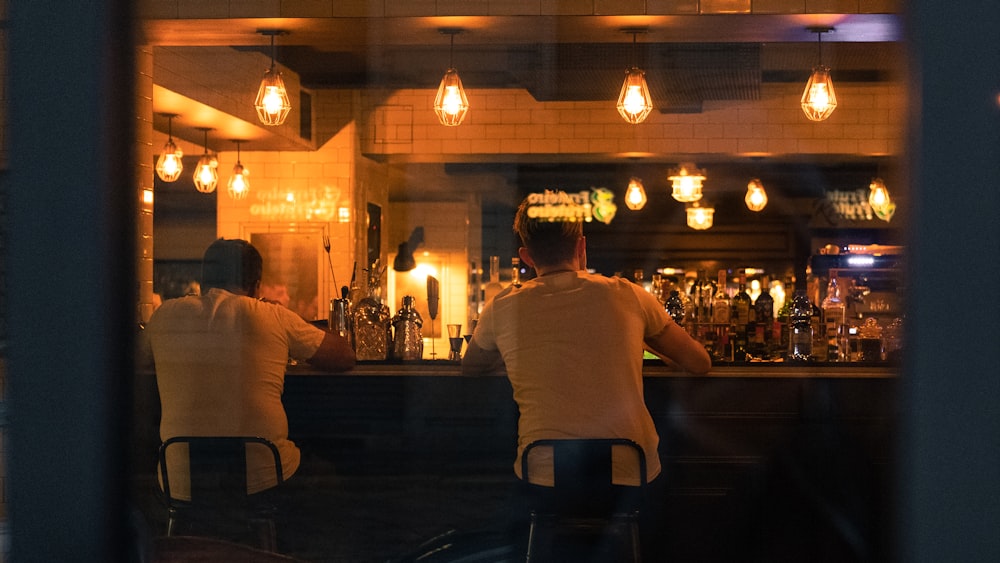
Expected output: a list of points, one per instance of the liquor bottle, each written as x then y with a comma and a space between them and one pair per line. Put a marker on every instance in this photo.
675, 307
764, 313
819, 350
494, 287
720, 302
742, 304
800, 331
475, 292
515, 271
782, 345
702, 291
834, 313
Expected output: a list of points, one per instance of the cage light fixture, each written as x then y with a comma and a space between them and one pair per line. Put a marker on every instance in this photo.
169, 165
451, 104
634, 101
819, 98
687, 181
879, 200
700, 216
635, 194
756, 198
239, 184
206, 173
272, 102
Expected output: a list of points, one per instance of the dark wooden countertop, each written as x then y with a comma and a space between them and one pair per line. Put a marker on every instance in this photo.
763, 370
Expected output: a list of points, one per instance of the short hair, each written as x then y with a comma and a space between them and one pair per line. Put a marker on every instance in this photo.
231, 264
549, 242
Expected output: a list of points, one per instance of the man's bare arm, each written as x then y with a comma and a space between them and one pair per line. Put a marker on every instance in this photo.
478, 361
674, 344
334, 354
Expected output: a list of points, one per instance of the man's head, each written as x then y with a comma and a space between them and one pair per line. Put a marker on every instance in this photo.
233, 265
548, 243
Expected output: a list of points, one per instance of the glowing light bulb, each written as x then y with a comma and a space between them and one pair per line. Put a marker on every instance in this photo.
635, 195
756, 198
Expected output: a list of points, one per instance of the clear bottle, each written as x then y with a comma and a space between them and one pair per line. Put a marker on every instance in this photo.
515, 271
800, 330
720, 302
703, 290
764, 313
493, 287
408, 342
834, 313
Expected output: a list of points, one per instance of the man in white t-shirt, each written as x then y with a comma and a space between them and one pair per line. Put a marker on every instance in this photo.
572, 343
220, 361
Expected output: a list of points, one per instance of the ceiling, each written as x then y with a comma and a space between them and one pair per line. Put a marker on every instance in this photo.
688, 59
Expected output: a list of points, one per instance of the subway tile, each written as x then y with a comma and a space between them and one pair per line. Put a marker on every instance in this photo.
745, 146
814, 146
879, 6
693, 145
514, 146
725, 6
619, 7
415, 8
306, 9
725, 146
569, 145
843, 146
604, 146
484, 146
463, 7
671, 7
567, 7
832, 6
358, 8
200, 9
515, 7
543, 146
779, 6
254, 8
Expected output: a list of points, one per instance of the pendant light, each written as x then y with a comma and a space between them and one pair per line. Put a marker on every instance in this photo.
686, 181
634, 101
206, 173
635, 194
878, 199
451, 103
169, 165
239, 184
819, 99
272, 103
700, 216
756, 198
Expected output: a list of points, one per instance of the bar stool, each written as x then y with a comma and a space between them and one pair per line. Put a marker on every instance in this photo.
218, 474
589, 518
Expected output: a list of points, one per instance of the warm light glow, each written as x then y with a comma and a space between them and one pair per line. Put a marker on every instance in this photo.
206, 174
169, 165
451, 103
239, 185
756, 198
344, 215
687, 182
878, 199
819, 99
635, 195
634, 102
147, 197
700, 218
272, 102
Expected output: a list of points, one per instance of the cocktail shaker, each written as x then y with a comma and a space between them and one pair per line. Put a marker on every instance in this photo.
340, 319
408, 342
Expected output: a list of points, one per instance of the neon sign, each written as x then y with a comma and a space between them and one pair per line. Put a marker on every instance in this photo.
596, 204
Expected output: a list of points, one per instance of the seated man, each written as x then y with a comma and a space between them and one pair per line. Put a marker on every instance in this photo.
220, 361
572, 343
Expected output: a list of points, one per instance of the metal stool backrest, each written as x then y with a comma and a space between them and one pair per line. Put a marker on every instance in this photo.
217, 466
582, 470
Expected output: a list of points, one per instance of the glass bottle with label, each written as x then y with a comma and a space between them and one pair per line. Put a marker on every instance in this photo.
834, 313
675, 307
800, 330
764, 313
720, 302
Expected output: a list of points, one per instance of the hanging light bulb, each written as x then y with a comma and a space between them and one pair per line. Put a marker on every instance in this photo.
687, 182
206, 173
272, 103
878, 199
169, 165
756, 198
634, 101
700, 217
635, 195
451, 103
239, 184
819, 99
